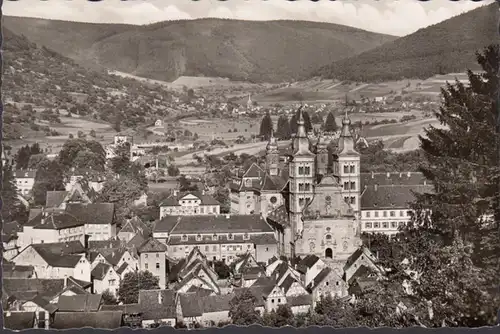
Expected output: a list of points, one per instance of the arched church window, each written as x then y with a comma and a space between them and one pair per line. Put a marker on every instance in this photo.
273, 200
345, 245
328, 229
312, 246
328, 237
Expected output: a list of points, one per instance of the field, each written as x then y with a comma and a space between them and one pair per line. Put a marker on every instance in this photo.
318, 90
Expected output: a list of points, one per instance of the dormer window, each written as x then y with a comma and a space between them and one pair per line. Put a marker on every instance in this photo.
184, 237
198, 237
230, 236
215, 237
246, 236
248, 182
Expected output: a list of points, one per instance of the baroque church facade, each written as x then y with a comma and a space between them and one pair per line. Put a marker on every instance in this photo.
310, 194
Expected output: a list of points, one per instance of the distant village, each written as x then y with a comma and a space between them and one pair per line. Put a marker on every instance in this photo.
291, 236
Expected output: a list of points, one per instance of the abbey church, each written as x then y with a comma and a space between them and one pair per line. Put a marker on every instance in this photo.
310, 194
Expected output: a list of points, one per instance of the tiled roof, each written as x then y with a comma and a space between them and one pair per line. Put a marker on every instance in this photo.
309, 261
11, 270
80, 303
213, 223
386, 179
136, 225
279, 215
199, 291
55, 198
152, 246
101, 319
68, 247
59, 255
157, 304
34, 212
287, 283
122, 268
44, 304
32, 286
100, 271
24, 173
391, 197
125, 308
113, 256
94, 213
77, 282
195, 304
136, 241
254, 171
56, 221
273, 183
18, 320
102, 244
204, 198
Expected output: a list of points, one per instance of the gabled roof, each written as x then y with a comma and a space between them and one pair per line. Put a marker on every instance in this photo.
254, 171
113, 256
152, 246
93, 213
105, 244
24, 173
80, 303
55, 221
279, 216
77, 282
204, 199
273, 183
361, 251
391, 197
27, 289
101, 319
307, 263
196, 304
54, 199
135, 225
122, 268
100, 271
18, 320
44, 304
125, 308
157, 304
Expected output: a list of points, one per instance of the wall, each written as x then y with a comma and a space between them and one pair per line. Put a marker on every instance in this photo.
82, 270
25, 185
165, 322
36, 236
362, 260
216, 317
194, 282
264, 252
313, 271
301, 309
148, 261
187, 210
374, 221
100, 231
105, 284
226, 252
265, 202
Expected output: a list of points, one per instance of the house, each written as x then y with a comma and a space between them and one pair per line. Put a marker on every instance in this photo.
328, 282
19, 320
361, 257
219, 237
80, 303
10, 270
199, 309
77, 192
191, 203
72, 289
10, 239
386, 199
247, 271
310, 266
99, 219
131, 228
95, 257
89, 180
51, 228
100, 319
43, 309
104, 277
56, 260
117, 257
25, 180
124, 269
16, 291
152, 257
158, 308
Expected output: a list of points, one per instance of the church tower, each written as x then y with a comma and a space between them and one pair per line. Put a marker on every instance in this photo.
301, 178
348, 166
321, 156
272, 156
249, 103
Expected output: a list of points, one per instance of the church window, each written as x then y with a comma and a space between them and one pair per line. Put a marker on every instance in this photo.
307, 170
301, 170
368, 225
353, 185
346, 199
301, 187
308, 200
346, 185
353, 200
301, 201
273, 200
346, 169
393, 213
352, 170
385, 224
376, 225
384, 213
214, 237
184, 237
394, 224
308, 186
328, 229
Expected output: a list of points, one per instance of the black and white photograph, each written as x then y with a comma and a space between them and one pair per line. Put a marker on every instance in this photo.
203, 164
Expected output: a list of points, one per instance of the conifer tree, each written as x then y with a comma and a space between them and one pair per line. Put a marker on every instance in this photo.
283, 128
330, 124
266, 127
307, 122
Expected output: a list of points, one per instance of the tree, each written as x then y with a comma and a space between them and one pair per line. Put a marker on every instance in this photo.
49, 177
12, 208
120, 163
282, 316
23, 155
242, 309
307, 122
172, 170
185, 184
222, 269
283, 128
330, 124
36, 161
222, 196
72, 147
109, 298
128, 292
92, 133
266, 127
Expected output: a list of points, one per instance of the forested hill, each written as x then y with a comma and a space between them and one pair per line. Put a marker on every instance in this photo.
447, 47
263, 51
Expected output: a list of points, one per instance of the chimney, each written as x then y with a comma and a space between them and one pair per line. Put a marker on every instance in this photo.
400, 175
65, 281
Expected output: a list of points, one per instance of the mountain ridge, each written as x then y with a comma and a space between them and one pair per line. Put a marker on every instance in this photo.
260, 51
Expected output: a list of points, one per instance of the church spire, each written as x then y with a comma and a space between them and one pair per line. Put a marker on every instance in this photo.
346, 126
301, 129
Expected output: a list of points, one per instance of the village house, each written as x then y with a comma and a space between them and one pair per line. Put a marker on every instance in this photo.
77, 192
131, 228
158, 307
219, 237
56, 260
152, 258
386, 199
362, 257
80, 303
191, 203
309, 267
247, 270
195, 309
104, 277
158, 123
88, 179
99, 219
72, 287
100, 319
328, 282
51, 228
25, 180
17, 321
43, 309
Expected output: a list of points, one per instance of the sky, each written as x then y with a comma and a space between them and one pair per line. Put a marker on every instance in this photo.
394, 17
